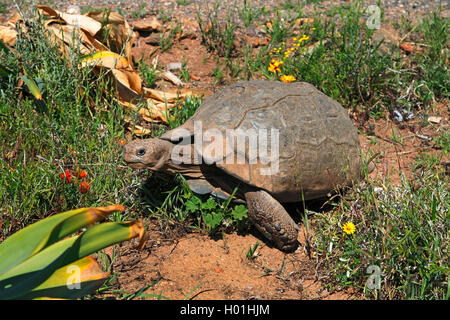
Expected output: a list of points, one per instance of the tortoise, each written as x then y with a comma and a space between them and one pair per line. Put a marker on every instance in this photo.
313, 149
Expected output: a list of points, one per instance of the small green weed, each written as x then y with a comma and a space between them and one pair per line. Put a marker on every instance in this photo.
251, 251
140, 12
148, 73
218, 37
183, 2
166, 38
249, 14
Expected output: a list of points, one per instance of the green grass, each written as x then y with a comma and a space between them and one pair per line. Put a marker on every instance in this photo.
218, 36
2, 6
401, 230
64, 131
148, 73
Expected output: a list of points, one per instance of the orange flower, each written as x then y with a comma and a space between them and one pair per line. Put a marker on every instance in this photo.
84, 186
81, 174
121, 141
288, 78
65, 175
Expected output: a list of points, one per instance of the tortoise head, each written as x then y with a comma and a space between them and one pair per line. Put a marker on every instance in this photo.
151, 154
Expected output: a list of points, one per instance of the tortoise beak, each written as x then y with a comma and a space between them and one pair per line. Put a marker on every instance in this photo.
136, 165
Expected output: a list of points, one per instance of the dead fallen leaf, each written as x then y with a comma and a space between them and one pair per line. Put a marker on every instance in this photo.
106, 59
138, 130
160, 95
408, 48
86, 23
8, 35
118, 33
148, 25
435, 120
300, 21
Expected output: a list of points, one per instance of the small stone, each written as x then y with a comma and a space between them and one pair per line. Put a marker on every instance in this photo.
435, 120
73, 9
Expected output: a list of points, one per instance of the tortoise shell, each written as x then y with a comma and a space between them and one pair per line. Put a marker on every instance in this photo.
317, 144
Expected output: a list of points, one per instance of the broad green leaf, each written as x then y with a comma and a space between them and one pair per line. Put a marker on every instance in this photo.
72, 281
33, 238
76, 222
39, 267
32, 86
239, 212
105, 59
209, 205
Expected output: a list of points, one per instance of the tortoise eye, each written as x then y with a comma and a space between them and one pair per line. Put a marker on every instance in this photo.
140, 152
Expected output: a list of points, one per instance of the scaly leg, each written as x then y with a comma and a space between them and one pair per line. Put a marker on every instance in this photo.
272, 220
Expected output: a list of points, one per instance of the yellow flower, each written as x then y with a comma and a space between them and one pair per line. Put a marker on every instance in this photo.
349, 228
274, 66
288, 78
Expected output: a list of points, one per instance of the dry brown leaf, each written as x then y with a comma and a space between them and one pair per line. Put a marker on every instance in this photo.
47, 11
160, 95
107, 17
154, 113
86, 23
148, 25
138, 130
407, 47
119, 34
107, 59
126, 94
172, 95
14, 19
8, 35
67, 34
300, 21
96, 45
131, 79
435, 120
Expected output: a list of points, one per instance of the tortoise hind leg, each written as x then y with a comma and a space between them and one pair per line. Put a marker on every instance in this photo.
272, 220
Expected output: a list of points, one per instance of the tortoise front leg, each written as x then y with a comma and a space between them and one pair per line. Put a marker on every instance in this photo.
272, 220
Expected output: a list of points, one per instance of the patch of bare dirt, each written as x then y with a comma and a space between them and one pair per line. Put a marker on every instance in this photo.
399, 144
221, 270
